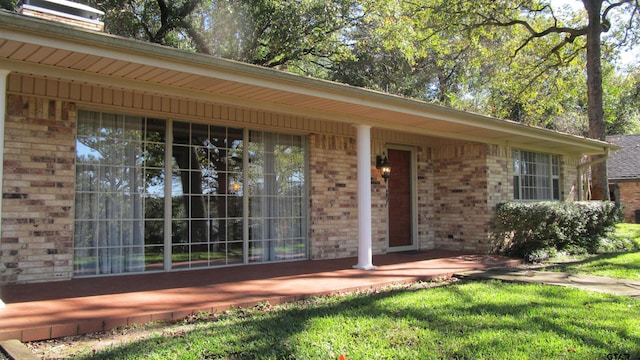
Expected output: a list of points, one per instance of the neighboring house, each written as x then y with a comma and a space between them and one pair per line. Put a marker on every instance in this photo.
623, 168
127, 157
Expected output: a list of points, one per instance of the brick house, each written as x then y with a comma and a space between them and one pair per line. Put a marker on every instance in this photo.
623, 169
124, 157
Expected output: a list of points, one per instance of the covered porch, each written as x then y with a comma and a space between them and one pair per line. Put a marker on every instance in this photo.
56, 309
55, 80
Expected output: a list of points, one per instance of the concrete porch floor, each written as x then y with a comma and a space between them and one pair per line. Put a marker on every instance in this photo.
56, 309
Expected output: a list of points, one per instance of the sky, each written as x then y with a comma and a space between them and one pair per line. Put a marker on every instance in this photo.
628, 57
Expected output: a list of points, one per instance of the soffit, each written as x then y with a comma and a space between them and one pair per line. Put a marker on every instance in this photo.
56, 51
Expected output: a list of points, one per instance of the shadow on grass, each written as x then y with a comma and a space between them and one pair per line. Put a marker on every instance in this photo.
601, 262
462, 320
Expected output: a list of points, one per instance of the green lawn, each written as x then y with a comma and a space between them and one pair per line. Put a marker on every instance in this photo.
629, 234
456, 320
474, 320
615, 265
621, 265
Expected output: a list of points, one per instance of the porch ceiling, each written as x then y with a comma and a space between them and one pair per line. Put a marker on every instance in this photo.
55, 51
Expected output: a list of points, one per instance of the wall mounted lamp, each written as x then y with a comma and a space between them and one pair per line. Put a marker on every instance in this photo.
384, 166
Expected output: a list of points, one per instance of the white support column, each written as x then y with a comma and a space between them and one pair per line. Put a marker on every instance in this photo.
365, 254
4, 74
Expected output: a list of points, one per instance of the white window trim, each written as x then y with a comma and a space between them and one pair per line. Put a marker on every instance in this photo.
553, 177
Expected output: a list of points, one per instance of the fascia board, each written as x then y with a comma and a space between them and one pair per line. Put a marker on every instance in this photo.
140, 86
101, 80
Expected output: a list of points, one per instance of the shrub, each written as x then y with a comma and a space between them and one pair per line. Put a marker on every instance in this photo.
540, 255
531, 230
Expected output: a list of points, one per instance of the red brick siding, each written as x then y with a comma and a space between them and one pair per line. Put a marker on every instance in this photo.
629, 192
379, 212
569, 177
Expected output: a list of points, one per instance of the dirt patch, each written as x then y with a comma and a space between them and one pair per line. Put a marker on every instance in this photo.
89, 344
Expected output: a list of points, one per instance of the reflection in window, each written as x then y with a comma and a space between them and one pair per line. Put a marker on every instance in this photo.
131, 217
207, 202
535, 176
119, 176
276, 186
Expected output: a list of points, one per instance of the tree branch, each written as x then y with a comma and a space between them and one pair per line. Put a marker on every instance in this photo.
612, 6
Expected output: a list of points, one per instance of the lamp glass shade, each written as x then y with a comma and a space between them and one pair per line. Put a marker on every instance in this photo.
385, 171
384, 166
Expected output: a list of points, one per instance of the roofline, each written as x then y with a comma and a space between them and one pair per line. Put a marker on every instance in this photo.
154, 54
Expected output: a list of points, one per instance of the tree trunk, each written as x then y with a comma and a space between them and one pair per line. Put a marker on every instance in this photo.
599, 178
192, 197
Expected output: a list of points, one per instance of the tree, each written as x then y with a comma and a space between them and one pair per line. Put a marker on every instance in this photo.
406, 50
559, 37
427, 50
599, 17
293, 35
272, 33
622, 102
8, 5
158, 21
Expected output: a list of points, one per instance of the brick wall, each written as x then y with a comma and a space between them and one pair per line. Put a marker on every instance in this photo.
458, 186
568, 177
425, 195
333, 196
500, 189
379, 213
629, 195
38, 188
461, 213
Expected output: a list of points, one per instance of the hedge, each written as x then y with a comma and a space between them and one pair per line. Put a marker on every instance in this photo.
536, 230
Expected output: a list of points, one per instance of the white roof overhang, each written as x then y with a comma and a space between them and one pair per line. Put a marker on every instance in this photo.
57, 51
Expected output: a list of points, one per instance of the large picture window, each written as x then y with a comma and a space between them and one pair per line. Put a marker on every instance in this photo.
535, 176
155, 194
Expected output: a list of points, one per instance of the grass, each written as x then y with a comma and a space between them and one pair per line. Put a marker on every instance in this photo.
620, 265
456, 320
464, 320
628, 233
615, 265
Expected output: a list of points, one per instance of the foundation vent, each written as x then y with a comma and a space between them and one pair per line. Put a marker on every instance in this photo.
67, 12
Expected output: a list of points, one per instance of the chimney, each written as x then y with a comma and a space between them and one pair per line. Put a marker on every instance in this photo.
64, 11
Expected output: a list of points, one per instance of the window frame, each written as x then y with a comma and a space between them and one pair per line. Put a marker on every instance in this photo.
536, 176
294, 246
